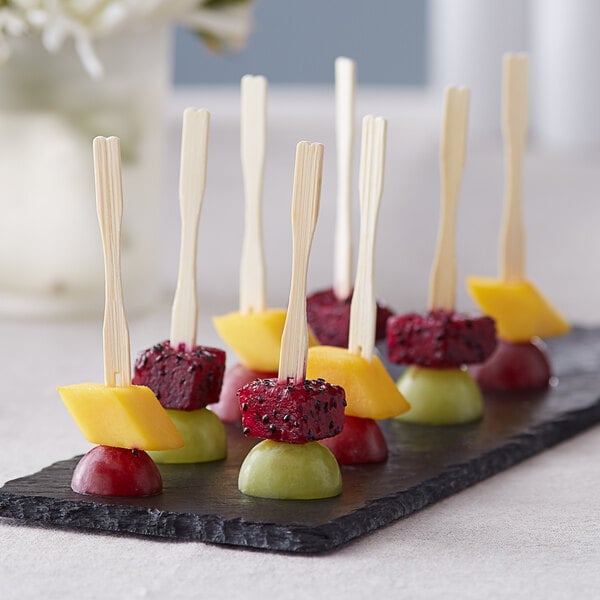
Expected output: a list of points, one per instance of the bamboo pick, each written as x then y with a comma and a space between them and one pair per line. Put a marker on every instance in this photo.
253, 151
442, 281
363, 310
109, 205
305, 209
345, 91
514, 128
192, 182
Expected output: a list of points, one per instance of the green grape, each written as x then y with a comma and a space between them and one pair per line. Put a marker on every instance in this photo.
203, 434
440, 396
290, 472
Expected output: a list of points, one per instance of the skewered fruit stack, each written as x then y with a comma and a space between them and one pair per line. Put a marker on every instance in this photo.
370, 392
439, 343
254, 332
187, 377
126, 420
290, 412
521, 312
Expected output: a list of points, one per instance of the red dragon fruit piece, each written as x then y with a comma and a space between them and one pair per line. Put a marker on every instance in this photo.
181, 379
440, 339
329, 318
295, 412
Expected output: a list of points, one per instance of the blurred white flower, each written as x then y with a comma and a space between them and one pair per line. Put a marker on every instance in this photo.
230, 25
221, 23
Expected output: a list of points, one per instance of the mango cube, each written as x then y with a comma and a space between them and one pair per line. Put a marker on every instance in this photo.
123, 417
370, 391
255, 337
519, 309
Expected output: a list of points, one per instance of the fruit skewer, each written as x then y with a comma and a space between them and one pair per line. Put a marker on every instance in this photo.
521, 312
345, 100
252, 292
184, 376
125, 419
254, 332
370, 392
290, 412
328, 310
438, 343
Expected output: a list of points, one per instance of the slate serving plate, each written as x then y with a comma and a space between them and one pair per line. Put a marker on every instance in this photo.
426, 464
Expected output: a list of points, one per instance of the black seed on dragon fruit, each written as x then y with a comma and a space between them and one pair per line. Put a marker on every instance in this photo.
295, 413
181, 379
440, 339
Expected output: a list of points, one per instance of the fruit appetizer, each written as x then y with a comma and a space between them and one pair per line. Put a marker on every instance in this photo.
370, 392
253, 332
328, 311
184, 376
290, 412
125, 419
521, 312
439, 343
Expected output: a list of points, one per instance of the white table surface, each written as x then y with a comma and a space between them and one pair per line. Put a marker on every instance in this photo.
530, 532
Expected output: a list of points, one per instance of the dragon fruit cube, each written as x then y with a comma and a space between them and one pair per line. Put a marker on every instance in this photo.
295, 412
329, 318
440, 339
181, 379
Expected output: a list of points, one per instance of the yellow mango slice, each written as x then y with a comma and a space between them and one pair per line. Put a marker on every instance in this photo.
256, 337
124, 417
519, 309
370, 391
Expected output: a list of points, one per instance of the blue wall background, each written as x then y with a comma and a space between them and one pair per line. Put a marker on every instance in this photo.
296, 41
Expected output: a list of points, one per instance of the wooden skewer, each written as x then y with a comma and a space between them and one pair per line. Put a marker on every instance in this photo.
442, 281
363, 310
253, 151
345, 91
109, 204
514, 127
192, 182
305, 209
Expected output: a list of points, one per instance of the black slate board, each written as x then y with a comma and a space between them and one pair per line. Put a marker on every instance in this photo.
426, 464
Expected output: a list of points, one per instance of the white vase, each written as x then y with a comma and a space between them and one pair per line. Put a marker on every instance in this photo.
566, 51
467, 39
50, 110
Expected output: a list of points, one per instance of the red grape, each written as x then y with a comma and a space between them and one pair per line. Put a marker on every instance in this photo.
360, 441
109, 471
514, 366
